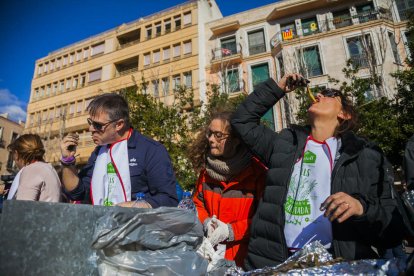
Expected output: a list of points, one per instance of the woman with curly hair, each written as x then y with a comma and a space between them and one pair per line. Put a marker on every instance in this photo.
229, 187
36, 179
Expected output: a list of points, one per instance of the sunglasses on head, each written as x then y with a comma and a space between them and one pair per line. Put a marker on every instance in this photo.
331, 93
217, 134
99, 126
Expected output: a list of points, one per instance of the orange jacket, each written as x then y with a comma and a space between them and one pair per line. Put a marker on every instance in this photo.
233, 202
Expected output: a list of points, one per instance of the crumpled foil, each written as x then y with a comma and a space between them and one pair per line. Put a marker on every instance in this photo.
314, 259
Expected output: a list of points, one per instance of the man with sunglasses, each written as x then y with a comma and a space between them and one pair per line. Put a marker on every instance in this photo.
324, 183
124, 162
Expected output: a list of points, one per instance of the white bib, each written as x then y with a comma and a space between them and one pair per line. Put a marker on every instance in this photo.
111, 181
309, 186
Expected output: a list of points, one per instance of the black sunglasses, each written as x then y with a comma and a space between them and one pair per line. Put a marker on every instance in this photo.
99, 126
331, 93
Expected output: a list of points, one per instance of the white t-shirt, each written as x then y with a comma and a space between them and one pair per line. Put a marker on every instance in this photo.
309, 186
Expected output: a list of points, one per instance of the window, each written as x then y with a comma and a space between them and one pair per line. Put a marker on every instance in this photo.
78, 55
166, 53
188, 81
65, 60
155, 88
58, 63
48, 89
61, 85
39, 118
405, 8
256, 42
2, 128
177, 51
36, 93
342, 18
98, 49
87, 102
309, 26
95, 75
68, 82
44, 115
176, 81
228, 46
177, 21
187, 47
79, 106
42, 91
147, 59
366, 13
51, 114
310, 62
31, 120
232, 80
71, 109
149, 31
394, 48
167, 25
51, 65
156, 56
39, 69
72, 58
55, 87
260, 73
165, 86
82, 80
158, 28
45, 67
85, 53
75, 82
361, 50
187, 19
57, 112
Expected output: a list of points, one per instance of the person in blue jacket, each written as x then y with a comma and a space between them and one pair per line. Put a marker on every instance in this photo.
124, 162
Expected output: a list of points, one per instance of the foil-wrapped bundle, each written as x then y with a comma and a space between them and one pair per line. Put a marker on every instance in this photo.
314, 259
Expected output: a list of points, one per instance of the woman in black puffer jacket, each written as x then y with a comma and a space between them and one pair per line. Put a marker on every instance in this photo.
324, 182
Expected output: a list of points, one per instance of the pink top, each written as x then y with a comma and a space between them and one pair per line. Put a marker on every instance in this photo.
39, 182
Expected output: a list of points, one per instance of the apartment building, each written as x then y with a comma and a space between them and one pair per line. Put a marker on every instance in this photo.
315, 38
9, 131
163, 49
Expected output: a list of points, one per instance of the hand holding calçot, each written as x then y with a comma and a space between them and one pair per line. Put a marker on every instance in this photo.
290, 82
68, 145
341, 206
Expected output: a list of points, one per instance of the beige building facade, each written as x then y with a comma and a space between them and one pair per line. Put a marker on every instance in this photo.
9, 131
163, 49
315, 38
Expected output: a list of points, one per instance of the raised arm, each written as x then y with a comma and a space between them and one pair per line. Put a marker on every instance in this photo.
246, 120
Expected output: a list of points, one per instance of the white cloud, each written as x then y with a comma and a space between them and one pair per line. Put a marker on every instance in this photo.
11, 104
15, 112
8, 98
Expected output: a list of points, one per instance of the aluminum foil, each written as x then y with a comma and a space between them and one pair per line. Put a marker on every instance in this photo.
314, 259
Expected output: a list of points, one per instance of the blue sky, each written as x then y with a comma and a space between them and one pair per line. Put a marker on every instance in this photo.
30, 29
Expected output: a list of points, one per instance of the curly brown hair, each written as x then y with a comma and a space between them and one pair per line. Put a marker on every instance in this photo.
198, 150
29, 148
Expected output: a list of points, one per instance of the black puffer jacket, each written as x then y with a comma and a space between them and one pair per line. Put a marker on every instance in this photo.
360, 171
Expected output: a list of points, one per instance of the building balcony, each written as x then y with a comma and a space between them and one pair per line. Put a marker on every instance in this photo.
290, 35
226, 54
361, 61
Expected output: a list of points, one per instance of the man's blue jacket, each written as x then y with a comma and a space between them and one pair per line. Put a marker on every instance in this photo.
150, 169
